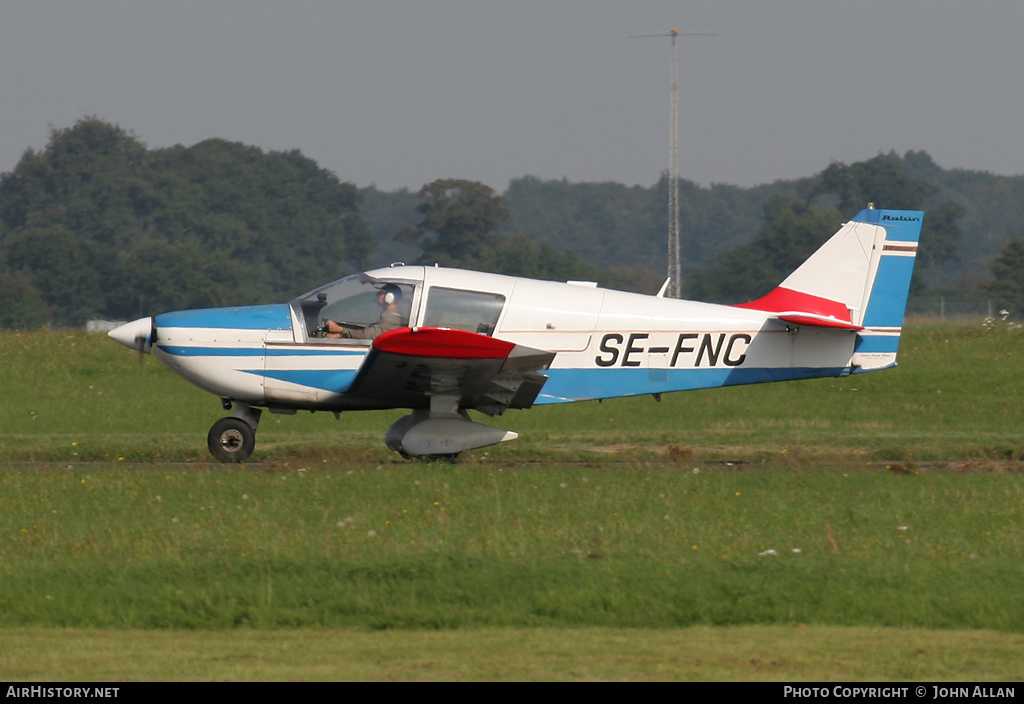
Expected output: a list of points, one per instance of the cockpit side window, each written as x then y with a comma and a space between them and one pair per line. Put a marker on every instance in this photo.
473, 311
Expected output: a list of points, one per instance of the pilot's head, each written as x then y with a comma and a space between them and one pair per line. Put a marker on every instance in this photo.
388, 294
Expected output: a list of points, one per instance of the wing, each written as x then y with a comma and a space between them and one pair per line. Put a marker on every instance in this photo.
407, 366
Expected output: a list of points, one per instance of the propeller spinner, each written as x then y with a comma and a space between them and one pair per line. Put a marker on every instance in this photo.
137, 335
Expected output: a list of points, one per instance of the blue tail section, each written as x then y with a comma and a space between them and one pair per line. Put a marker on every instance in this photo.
892, 265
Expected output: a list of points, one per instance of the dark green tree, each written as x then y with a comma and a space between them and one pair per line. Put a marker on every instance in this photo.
460, 223
635, 278
1007, 286
72, 273
23, 306
516, 255
460, 227
941, 235
99, 223
795, 226
881, 181
884, 182
387, 213
614, 225
793, 229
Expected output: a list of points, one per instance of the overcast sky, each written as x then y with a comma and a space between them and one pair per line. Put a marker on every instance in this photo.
398, 93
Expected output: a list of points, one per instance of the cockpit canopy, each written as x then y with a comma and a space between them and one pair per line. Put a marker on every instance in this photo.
426, 297
352, 301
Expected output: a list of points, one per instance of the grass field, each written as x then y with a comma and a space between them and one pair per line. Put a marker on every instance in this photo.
790, 654
705, 537
956, 396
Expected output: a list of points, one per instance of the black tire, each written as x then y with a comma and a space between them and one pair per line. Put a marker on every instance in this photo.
231, 440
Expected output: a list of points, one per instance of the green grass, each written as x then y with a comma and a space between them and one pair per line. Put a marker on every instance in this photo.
954, 397
784, 654
837, 506
439, 547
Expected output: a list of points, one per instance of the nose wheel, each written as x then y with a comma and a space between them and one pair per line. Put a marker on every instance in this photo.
231, 440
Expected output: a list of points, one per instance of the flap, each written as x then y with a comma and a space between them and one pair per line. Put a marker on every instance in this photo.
407, 366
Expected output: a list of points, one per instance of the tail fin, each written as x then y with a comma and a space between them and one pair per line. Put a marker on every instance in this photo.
858, 280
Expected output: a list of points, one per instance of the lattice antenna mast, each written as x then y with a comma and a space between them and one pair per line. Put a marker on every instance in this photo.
675, 264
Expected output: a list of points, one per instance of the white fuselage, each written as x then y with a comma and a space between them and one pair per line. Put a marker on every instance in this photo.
606, 343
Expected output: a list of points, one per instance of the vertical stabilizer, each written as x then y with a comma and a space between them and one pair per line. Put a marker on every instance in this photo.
858, 280
885, 301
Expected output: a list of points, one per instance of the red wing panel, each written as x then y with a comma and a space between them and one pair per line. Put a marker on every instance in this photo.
442, 343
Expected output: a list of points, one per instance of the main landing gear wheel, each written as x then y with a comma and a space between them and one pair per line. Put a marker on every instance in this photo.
231, 440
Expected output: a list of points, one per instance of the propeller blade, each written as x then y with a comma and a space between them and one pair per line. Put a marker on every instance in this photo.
142, 345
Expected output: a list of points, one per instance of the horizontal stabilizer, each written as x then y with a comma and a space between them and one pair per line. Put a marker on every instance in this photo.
804, 309
817, 321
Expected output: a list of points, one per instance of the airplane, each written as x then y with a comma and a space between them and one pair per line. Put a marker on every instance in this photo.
465, 341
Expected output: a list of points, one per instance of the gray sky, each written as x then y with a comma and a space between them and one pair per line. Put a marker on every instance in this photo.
401, 92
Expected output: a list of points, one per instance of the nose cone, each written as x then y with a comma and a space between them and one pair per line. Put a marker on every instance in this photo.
136, 335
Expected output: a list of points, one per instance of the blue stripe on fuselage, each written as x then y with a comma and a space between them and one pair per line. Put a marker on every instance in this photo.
335, 380
567, 385
181, 351
270, 317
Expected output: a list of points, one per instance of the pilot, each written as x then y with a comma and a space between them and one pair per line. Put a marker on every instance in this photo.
388, 297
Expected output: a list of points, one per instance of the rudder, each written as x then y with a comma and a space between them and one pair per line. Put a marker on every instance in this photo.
886, 298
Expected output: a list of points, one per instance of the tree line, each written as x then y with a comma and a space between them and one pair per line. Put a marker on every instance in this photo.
96, 225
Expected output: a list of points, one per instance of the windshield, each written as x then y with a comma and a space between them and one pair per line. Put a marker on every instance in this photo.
352, 302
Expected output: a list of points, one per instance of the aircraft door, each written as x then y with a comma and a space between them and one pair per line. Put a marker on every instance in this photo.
552, 316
